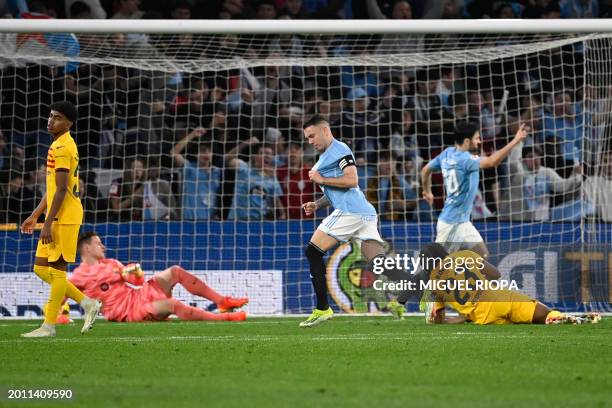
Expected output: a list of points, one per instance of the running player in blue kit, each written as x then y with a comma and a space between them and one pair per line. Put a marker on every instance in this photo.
353, 216
460, 166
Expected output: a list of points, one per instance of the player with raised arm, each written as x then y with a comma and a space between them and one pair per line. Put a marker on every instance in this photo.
353, 216
460, 166
482, 305
58, 238
108, 279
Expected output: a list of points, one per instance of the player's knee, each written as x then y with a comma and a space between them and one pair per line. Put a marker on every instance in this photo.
313, 253
164, 308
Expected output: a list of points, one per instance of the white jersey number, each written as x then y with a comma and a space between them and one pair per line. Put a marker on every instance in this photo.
450, 181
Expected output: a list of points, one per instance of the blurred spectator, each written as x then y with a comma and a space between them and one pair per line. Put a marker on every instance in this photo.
265, 10
158, 201
37, 179
233, 9
504, 10
128, 9
95, 207
10, 156
598, 188
332, 110
201, 180
579, 8
535, 8
257, 193
562, 124
16, 200
401, 9
181, 10
446, 86
480, 210
294, 9
552, 10
294, 180
411, 179
428, 111
385, 191
361, 126
126, 193
80, 10
403, 141
605, 8
95, 8
529, 197
360, 78
194, 105
445, 9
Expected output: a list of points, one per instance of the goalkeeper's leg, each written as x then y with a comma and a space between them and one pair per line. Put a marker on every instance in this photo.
163, 308
168, 278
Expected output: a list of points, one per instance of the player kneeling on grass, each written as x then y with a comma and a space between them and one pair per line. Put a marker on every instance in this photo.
478, 304
108, 279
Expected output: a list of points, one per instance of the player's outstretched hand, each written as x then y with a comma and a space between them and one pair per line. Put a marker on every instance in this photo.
27, 227
309, 207
522, 133
315, 176
429, 197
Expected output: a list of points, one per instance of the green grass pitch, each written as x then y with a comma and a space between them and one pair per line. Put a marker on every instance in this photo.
348, 362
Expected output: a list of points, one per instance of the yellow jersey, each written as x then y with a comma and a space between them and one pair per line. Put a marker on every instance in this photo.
63, 154
459, 266
481, 306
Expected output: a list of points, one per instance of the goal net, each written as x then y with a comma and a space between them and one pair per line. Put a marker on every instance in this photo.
192, 153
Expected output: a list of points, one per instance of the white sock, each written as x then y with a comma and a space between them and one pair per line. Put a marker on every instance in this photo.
48, 326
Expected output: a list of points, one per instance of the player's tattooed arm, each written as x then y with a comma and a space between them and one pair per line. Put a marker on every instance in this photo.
312, 206
322, 202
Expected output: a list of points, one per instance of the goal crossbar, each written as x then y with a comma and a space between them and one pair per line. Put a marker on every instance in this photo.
308, 26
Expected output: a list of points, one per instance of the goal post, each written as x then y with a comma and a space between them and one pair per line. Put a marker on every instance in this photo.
228, 209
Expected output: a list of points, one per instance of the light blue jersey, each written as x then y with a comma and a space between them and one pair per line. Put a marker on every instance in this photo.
200, 189
254, 194
330, 164
461, 172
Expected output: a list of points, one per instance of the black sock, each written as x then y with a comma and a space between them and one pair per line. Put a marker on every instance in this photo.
414, 295
317, 274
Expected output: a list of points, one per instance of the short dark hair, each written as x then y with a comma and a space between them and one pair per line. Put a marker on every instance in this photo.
205, 146
67, 109
316, 120
465, 130
531, 150
78, 7
85, 238
433, 251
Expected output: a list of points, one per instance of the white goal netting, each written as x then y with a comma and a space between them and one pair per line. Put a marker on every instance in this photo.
202, 134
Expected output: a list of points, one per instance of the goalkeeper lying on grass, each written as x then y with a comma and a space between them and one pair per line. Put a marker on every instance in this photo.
482, 305
108, 279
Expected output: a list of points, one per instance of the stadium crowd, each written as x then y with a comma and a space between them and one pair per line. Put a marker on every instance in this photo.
229, 145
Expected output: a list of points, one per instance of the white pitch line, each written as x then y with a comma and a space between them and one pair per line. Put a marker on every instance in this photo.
285, 338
